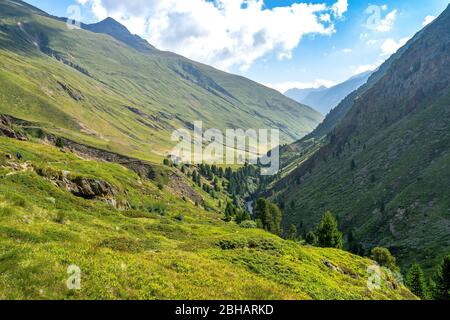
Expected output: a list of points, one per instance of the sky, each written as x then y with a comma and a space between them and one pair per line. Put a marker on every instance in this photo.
282, 44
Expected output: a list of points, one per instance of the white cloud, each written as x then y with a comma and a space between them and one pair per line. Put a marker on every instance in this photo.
223, 33
285, 86
390, 46
340, 7
387, 23
366, 67
428, 20
347, 50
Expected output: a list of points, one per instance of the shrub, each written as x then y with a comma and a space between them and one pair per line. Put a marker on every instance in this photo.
311, 238
59, 143
248, 224
384, 257
232, 244
159, 208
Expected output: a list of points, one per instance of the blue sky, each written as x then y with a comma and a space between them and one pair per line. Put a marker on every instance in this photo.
291, 53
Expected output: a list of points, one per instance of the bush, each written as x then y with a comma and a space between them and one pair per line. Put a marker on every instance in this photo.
232, 244
248, 224
159, 208
311, 238
60, 143
384, 257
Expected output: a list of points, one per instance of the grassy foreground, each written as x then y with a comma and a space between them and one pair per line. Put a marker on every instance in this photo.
161, 247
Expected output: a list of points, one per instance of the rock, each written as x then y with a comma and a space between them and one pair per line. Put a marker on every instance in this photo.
332, 267
6, 129
88, 188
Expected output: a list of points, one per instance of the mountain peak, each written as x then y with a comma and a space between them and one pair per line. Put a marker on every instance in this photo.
118, 31
111, 22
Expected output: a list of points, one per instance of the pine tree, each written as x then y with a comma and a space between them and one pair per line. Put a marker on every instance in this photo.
442, 280
415, 281
229, 212
328, 235
269, 214
293, 232
353, 164
311, 238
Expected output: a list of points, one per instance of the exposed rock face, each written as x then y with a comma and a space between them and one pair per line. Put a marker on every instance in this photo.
84, 187
7, 130
89, 188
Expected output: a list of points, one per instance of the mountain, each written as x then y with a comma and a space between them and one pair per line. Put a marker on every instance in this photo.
383, 168
325, 99
302, 94
110, 89
292, 155
114, 29
86, 212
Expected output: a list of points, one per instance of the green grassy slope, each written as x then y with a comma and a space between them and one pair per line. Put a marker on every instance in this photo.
397, 136
160, 248
93, 88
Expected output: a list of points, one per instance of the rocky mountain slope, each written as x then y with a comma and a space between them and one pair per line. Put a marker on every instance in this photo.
383, 169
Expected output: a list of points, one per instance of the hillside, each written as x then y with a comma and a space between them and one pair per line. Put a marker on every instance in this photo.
326, 99
383, 170
112, 90
136, 238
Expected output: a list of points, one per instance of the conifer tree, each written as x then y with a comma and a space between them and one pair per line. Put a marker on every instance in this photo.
415, 281
442, 280
328, 235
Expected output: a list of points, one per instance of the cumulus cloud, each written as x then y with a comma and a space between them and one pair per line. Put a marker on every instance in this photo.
390, 46
340, 7
428, 20
388, 22
223, 33
285, 86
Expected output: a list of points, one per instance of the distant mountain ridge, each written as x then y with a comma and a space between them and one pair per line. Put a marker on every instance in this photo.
325, 99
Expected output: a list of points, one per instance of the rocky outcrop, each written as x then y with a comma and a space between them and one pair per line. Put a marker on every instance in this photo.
84, 187
144, 169
6, 129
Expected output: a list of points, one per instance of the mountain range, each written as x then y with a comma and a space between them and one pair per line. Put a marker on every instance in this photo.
111, 89
325, 99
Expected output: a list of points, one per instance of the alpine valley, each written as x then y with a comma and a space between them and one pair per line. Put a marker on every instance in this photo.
92, 207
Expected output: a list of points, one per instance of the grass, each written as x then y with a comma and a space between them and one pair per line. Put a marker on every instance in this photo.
149, 252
